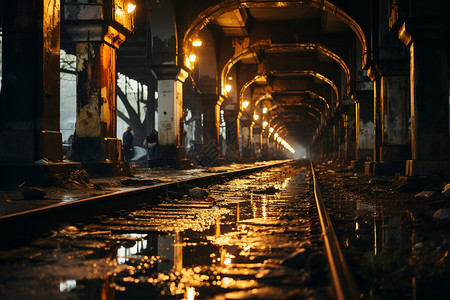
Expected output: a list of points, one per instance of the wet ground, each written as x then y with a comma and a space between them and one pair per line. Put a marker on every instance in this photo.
388, 226
256, 237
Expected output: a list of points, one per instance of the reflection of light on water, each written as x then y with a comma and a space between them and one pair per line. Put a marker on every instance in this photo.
190, 293
264, 207
123, 253
67, 198
67, 285
285, 182
227, 261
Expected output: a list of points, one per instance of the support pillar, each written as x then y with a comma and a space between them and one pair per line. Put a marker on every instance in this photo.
170, 116
232, 119
364, 129
31, 142
429, 84
209, 155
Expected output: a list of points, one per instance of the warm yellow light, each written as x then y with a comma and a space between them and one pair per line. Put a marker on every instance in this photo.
264, 110
190, 293
271, 129
119, 11
227, 87
245, 104
192, 57
276, 135
227, 261
255, 117
230, 78
265, 123
197, 42
130, 8
278, 139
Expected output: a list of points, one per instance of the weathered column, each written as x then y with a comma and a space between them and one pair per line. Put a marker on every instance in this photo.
364, 128
232, 119
97, 29
429, 84
245, 141
95, 137
29, 128
31, 142
250, 137
170, 115
257, 142
209, 154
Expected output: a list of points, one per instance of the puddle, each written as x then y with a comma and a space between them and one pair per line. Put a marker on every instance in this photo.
234, 250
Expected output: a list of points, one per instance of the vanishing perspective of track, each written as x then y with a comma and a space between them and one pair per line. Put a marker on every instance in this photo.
258, 236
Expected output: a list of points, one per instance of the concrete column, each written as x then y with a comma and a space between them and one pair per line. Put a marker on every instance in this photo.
232, 119
170, 115
29, 107
251, 145
350, 137
95, 137
257, 142
211, 122
31, 142
429, 84
364, 128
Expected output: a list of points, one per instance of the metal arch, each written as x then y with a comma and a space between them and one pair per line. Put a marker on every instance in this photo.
313, 74
267, 46
313, 94
289, 73
298, 104
214, 11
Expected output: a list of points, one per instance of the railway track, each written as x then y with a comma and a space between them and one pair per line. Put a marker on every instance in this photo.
258, 235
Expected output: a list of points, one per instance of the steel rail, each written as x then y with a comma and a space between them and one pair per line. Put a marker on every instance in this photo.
344, 285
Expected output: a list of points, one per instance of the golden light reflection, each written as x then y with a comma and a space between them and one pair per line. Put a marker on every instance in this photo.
227, 261
264, 207
190, 293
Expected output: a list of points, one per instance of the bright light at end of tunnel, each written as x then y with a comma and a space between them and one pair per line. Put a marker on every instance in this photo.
271, 129
265, 123
192, 57
264, 110
245, 104
227, 88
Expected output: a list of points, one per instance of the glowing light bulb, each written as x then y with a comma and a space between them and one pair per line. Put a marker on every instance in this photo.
265, 123
276, 135
245, 104
192, 57
130, 8
197, 42
271, 129
227, 88
255, 117
264, 110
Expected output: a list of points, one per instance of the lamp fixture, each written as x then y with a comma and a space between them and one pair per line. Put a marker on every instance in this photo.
255, 117
271, 129
130, 7
264, 110
245, 104
227, 87
265, 123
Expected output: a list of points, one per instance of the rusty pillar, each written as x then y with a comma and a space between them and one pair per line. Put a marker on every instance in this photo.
29, 102
95, 137
429, 84
232, 120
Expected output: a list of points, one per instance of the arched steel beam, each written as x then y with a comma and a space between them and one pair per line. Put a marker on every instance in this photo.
286, 48
216, 10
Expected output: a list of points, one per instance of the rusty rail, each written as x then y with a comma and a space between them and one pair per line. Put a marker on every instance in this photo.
343, 282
